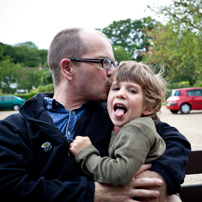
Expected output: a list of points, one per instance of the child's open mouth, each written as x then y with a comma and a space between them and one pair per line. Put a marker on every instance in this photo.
119, 110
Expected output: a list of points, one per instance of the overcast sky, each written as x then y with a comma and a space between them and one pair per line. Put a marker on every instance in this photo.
40, 20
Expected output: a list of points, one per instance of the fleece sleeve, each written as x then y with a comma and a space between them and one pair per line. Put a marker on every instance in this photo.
172, 164
19, 181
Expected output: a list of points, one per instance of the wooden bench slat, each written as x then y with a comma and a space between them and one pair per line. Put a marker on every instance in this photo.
194, 165
193, 193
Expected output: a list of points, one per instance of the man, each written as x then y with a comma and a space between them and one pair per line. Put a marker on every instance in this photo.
34, 145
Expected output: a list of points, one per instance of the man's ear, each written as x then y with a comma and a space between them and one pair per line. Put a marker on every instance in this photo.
148, 111
66, 68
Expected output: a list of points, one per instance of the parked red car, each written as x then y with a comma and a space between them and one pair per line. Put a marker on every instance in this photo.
184, 99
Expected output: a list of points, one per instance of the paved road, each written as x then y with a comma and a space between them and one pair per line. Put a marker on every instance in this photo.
4, 114
190, 125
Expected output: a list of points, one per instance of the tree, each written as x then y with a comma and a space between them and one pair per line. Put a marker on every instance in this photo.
186, 13
9, 74
131, 35
46, 78
178, 43
1, 52
33, 77
120, 54
28, 44
6, 51
42, 54
26, 54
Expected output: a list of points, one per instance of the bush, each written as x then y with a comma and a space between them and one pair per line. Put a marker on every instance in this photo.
28, 95
46, 89
183, 84
199, 84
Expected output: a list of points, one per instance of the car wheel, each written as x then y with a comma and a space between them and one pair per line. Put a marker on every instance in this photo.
174, 111
16, 107
185, 108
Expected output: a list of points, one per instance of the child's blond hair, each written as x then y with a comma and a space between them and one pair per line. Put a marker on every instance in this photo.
153, 85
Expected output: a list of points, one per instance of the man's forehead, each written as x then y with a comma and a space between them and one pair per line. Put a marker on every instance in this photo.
98, 44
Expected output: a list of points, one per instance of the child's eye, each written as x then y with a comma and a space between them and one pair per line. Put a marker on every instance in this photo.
132, 91
115, 88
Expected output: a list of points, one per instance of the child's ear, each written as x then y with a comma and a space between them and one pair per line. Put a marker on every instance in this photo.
66, 68
148, 111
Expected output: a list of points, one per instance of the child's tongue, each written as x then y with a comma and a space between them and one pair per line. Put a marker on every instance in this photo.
119, 112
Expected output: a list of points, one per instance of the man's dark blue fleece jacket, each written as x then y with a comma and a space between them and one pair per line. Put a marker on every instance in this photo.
35, 163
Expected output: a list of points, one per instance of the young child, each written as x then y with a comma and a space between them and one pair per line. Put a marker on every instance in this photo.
134, 100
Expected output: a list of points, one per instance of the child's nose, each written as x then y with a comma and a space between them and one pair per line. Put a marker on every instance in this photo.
121, 94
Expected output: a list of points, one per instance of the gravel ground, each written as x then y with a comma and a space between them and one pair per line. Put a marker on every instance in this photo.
190, 125
4, 114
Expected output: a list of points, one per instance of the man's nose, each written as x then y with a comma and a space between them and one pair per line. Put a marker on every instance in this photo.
110, 70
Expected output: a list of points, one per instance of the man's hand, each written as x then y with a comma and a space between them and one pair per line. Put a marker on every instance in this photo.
160, 187
127, 193
79, 144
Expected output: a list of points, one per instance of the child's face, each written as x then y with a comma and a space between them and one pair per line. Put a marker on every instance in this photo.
125, 103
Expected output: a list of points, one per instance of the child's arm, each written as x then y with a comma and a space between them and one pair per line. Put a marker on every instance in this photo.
128, 152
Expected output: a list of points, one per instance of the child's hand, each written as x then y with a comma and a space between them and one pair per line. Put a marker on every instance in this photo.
78, 144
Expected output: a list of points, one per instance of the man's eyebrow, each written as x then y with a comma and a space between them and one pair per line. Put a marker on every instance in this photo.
101, 57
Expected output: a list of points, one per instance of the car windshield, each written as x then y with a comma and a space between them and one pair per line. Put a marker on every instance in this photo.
175, 93
18, 98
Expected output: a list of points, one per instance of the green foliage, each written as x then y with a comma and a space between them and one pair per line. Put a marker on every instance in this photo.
130, 34
121, 54
198, 84
21, 64
29, 95
33, 77
46, 89
184, 84
46, 78
26, 54
28, 44
177, 45
9, 74
186, 13
42, 54
43, 89
23, 96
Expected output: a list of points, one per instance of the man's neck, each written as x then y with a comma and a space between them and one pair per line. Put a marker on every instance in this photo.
68, 99
68, 102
